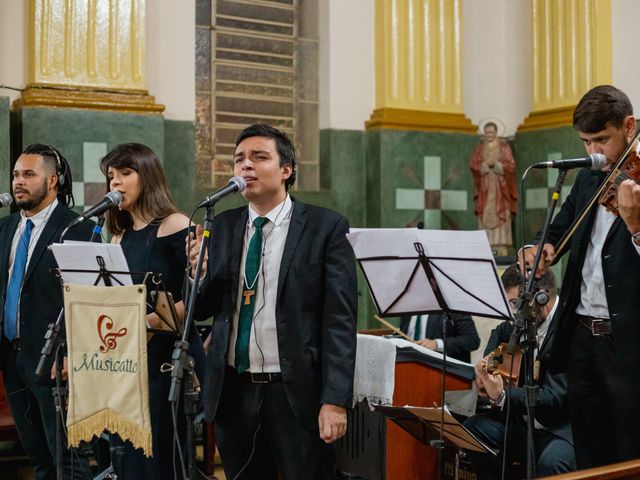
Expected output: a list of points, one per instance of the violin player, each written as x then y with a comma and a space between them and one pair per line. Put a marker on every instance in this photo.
552, 432
597, 340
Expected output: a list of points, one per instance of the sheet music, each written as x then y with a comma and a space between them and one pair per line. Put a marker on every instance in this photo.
454, 431
72, 255
402, 343
467, 277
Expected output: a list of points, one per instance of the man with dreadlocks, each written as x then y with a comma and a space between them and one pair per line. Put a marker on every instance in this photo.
32, 299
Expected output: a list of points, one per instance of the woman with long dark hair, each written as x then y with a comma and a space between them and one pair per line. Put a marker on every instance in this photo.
152, 232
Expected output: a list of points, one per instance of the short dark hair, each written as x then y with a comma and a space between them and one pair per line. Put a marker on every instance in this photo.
490, 124
512, 278
53, 159
285, 148
600, 106
154, 203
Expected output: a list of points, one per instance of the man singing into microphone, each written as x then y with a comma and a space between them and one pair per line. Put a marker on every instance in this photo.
32, 299
281, 284
598, 330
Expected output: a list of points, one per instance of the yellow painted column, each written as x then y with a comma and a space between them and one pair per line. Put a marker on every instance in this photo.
419, 66
87, 54
571, 53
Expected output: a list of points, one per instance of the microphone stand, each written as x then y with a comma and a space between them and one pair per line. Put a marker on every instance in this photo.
182, 362
59, 392
526, 316
60, 398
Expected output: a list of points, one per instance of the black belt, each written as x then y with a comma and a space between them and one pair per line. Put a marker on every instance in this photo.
598, 326
15, 344
261, 377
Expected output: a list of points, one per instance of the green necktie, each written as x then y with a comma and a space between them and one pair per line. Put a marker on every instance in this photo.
416, 332
250, 286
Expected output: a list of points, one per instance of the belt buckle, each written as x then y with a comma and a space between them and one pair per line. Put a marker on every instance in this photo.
265, 378
596, 323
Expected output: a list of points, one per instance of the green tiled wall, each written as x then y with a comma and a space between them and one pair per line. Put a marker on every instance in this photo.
540, 146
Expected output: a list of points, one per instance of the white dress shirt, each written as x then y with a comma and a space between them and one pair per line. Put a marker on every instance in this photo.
39, 221
411, 329
263, 343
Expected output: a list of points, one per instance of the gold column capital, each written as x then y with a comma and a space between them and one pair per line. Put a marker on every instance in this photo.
87, 54
571, 53
418, 65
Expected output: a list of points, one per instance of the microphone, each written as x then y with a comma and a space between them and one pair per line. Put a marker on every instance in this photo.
595, 161
236, 184
5, 200
111, 199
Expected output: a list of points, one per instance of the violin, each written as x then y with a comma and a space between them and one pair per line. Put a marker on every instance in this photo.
504, 364
627, 167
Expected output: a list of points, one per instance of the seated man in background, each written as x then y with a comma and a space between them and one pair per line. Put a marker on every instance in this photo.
426, 330
553, 442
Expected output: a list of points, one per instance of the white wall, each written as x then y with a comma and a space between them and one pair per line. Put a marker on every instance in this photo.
347, 69
496, 61
625, 60
13, 48
170, 36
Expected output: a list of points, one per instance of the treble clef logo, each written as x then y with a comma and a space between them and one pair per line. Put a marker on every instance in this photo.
109, 340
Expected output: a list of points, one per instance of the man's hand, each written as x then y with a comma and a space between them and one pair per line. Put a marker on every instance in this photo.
492, 384
629, 205
65, 374
548, 254
332, 422
428, 343
192, 248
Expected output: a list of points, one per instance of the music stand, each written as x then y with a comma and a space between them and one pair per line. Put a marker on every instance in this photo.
413, 272
426, 425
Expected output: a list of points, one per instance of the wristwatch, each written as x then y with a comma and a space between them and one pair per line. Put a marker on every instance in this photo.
500, 398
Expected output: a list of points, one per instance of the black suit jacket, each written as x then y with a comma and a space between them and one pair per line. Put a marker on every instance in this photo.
551, 408
315, 308
41, 296
620, 267
462, 336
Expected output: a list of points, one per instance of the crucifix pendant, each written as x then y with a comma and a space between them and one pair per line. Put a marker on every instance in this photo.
247, 296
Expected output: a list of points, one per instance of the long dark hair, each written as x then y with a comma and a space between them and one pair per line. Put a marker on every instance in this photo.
154, 203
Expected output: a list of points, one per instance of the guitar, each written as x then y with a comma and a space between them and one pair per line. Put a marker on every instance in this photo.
504, 364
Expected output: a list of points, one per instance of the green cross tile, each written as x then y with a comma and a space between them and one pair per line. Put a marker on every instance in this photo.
538, 198
431, 198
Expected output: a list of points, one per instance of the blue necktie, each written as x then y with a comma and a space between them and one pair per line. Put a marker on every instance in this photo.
12, 298
251, 272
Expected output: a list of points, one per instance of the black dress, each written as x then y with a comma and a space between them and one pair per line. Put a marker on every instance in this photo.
146, 252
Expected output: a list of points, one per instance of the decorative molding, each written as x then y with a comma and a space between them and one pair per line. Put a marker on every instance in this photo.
88, 43
64, 96
551, 118
402, 119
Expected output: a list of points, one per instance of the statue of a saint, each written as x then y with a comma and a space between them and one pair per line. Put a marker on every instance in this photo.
495, 196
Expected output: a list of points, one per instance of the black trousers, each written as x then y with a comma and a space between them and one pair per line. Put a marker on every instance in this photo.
33, 410
604, 402
258, 434
554, 455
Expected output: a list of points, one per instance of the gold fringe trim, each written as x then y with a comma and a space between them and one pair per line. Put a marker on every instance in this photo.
89, 427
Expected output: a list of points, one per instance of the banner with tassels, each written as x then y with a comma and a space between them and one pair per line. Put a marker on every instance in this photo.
107, 345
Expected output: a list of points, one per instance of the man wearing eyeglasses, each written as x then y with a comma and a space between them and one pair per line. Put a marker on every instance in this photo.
552, 433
